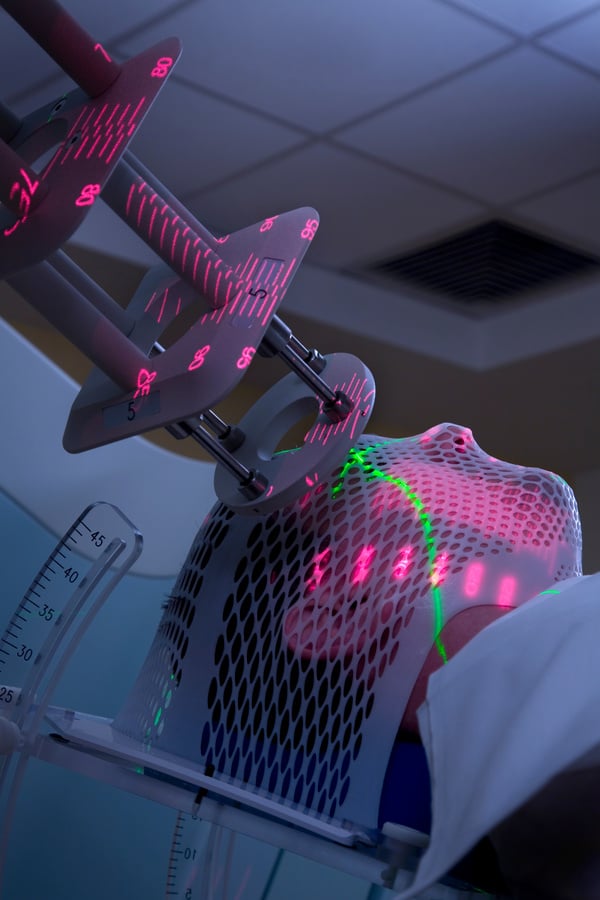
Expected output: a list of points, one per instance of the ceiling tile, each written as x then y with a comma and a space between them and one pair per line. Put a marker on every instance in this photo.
526, 16
24, 65
22, 62
516, 125
571, 213
366, 210
109, 19
318, 63
190, 140
579, 41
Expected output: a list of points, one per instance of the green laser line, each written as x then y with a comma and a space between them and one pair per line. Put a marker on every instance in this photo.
357, 457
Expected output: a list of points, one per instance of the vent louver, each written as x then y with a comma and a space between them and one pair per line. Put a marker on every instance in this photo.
491, 262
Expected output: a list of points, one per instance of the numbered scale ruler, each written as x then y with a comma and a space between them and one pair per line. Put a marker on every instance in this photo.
46, 628
209, 861
81, 560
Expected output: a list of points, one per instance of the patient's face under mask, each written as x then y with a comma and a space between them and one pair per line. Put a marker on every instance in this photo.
424, 528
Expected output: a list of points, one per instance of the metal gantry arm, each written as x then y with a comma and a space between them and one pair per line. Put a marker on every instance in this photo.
236, 283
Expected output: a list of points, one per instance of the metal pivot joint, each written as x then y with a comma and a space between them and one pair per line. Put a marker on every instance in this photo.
306, 364
251, 483
229, 438
293, 473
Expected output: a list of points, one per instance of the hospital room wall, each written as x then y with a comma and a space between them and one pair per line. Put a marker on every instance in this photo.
587, 491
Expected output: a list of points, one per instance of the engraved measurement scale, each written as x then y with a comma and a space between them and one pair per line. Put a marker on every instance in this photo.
46, 628
211, 862
217, 863
82, 564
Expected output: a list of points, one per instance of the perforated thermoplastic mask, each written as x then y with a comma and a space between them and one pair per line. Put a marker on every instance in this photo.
296, 647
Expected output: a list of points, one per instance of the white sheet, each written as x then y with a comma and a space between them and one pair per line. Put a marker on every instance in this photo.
517, 706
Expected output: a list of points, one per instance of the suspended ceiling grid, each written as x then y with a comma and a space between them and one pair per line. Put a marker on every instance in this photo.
402, 124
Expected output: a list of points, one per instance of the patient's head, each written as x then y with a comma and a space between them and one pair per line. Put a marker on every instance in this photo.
312, 631
428, 523
422, 542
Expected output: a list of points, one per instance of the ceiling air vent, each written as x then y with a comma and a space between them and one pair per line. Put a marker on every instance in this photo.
493, 261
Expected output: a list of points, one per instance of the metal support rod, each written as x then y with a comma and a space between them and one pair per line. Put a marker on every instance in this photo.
248, 478
251, 482
216, 423
280, 340
202, 437
158, 224
312, 357
308, 376
69, 45
20, 187
167, 197
81, 323
9, 123
299, 348
92, 291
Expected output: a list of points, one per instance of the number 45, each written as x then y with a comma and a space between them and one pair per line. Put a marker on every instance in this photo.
97, 538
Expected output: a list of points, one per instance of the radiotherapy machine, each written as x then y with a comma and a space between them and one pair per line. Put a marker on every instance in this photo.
275, 727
